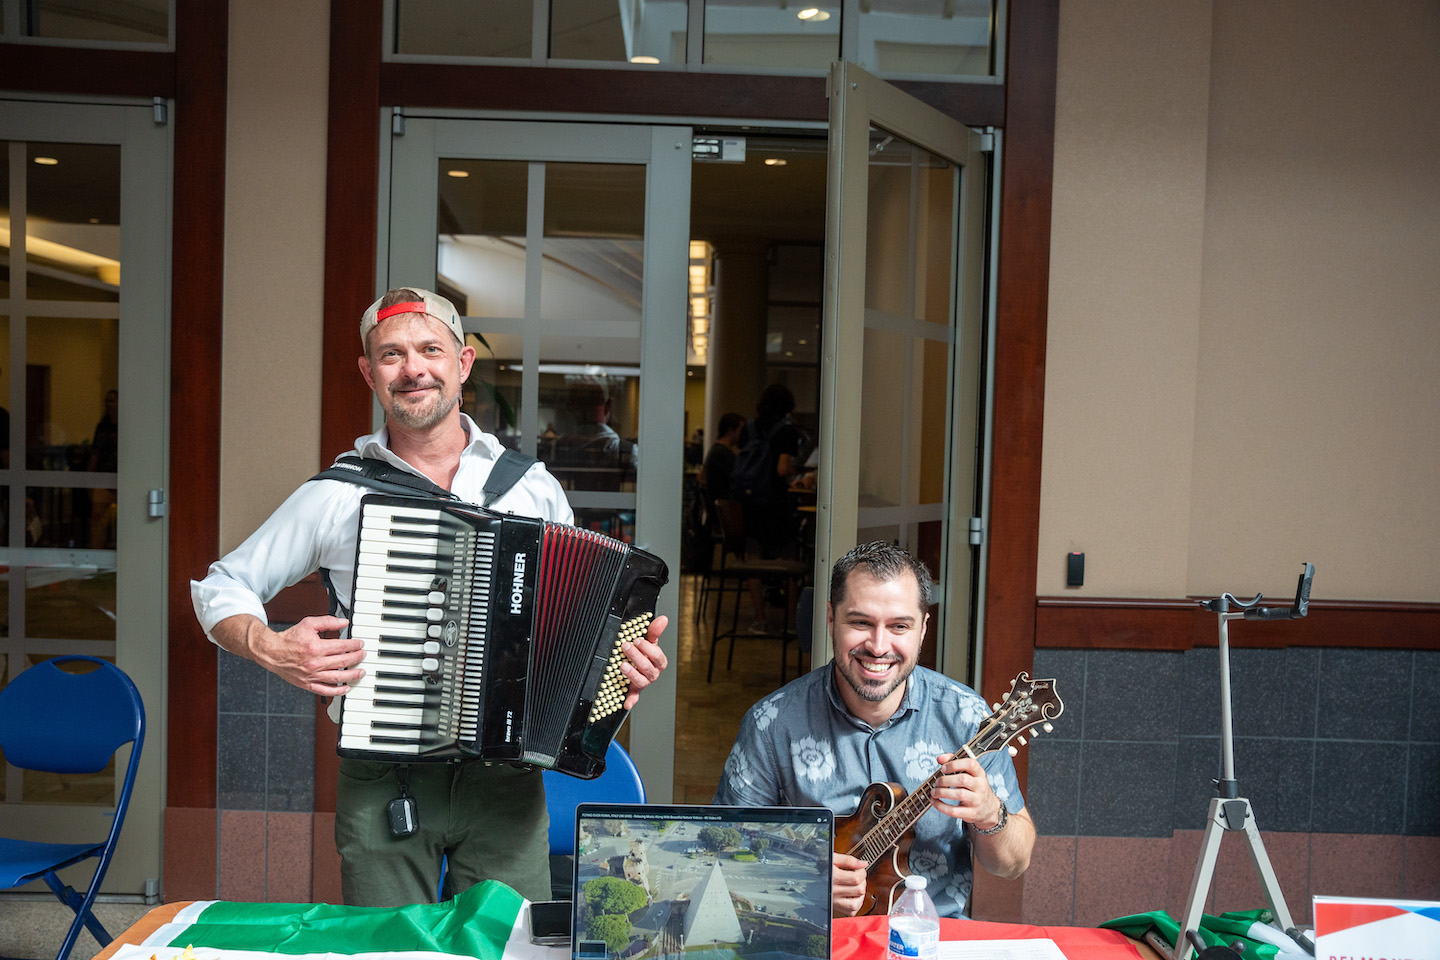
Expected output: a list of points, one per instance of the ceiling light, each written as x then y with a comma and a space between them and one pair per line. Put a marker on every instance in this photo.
813, 15
458, 174
46, 161
774, 162
643, 58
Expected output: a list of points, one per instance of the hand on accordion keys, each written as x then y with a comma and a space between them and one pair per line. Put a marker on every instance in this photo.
646, 660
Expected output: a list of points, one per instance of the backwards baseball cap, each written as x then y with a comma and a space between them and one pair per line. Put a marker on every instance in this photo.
430, 304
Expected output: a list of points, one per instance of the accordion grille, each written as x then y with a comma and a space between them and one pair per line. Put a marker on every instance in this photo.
578, 572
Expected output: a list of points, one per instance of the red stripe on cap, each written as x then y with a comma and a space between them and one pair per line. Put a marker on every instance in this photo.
390, 311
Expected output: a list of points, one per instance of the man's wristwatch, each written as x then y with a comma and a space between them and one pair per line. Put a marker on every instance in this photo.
1004, 819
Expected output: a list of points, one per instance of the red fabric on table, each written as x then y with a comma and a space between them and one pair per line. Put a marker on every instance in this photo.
865, 938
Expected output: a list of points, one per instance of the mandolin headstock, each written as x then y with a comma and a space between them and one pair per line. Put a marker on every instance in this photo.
1029, 704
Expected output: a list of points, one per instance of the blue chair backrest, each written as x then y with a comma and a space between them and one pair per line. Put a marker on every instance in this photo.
620, 783
60, 722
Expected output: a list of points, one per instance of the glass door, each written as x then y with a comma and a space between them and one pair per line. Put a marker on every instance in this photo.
84, 385
901, 370
565, 248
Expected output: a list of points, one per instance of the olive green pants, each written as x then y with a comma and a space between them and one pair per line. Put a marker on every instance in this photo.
488, 821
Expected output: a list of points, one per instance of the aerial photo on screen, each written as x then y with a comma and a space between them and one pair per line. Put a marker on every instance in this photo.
702, 888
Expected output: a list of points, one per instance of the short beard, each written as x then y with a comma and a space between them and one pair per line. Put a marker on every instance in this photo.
870, 691
403, 416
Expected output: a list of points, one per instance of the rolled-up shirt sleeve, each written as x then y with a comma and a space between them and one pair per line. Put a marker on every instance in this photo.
287, 547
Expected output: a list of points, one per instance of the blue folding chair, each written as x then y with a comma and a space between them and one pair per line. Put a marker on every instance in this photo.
620, 783
54, 721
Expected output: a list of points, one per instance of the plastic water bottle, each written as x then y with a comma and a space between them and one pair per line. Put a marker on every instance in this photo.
914, 924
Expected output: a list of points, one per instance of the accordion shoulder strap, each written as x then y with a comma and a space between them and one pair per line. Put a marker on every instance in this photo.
382, 476
505, 474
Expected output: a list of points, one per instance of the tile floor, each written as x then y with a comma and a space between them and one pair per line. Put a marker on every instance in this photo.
707, 715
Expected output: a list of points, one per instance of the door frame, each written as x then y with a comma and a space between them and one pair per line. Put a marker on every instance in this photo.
406, 249
141, 643
859, 100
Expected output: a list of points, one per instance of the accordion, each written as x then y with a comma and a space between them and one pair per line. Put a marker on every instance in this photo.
490, 636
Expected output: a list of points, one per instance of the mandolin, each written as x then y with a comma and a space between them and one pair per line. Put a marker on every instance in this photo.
880, 830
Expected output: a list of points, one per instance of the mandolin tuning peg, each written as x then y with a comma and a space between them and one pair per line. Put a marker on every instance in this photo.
1022, 741
1048, 727
1013, 751
994, 706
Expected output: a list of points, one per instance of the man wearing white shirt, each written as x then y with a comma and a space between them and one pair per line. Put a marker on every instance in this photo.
488, 820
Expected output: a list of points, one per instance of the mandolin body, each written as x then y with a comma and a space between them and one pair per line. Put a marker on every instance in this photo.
886, 873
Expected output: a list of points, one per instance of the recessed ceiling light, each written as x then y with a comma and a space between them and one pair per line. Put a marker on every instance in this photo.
46, 161
774, 162
803, 342
458, 174
642, 58
94, 219
813, 15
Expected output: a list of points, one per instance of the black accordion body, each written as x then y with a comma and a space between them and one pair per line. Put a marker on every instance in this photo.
490, 636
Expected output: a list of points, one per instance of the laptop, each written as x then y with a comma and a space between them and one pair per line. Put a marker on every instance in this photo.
707, 881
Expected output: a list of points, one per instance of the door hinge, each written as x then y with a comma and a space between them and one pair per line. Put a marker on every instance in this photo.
162, 111
156, 503
987, 140
977, 531
397, 122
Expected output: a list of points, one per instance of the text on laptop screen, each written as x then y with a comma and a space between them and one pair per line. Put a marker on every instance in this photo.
711, 882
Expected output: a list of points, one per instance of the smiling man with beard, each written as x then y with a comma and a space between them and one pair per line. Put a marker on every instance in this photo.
489, 821
873, 715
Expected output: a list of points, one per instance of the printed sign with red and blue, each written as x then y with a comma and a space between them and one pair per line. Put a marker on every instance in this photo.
1351, 928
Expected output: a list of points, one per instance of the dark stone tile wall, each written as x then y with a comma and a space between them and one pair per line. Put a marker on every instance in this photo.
1326, 741
266, 751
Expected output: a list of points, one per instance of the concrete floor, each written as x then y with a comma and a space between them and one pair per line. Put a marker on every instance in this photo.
34, 928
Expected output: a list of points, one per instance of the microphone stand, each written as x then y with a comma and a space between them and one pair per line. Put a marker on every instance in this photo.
1230, 812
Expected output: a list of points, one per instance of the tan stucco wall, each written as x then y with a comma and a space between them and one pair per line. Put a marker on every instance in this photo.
274, 257
1244, 301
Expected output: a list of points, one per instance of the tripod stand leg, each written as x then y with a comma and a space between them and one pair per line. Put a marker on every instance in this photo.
1215, 828
1273, 896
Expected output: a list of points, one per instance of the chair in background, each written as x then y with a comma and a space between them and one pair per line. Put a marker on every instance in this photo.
737, 568
55, 721
620, 783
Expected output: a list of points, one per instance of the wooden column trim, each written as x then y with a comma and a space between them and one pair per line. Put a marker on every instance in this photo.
196, 324
352, 189
1019, 330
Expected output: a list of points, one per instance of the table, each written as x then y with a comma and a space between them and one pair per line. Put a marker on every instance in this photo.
855, 938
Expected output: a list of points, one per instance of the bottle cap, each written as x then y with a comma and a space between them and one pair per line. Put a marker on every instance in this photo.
915, 882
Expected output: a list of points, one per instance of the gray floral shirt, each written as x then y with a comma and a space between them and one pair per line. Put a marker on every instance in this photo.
800, 746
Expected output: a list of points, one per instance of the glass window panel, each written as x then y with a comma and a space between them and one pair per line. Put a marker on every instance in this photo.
909, 231
129, 21
492, 394
772, 33
930, 405
481, 250
649, 32
72, 230
71, 372
464, 28
70, 602
945, 38
594, 233
79, 789
882, 417
589, 400
4, 219
6, 427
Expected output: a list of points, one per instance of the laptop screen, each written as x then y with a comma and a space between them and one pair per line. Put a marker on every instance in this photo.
710, 882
